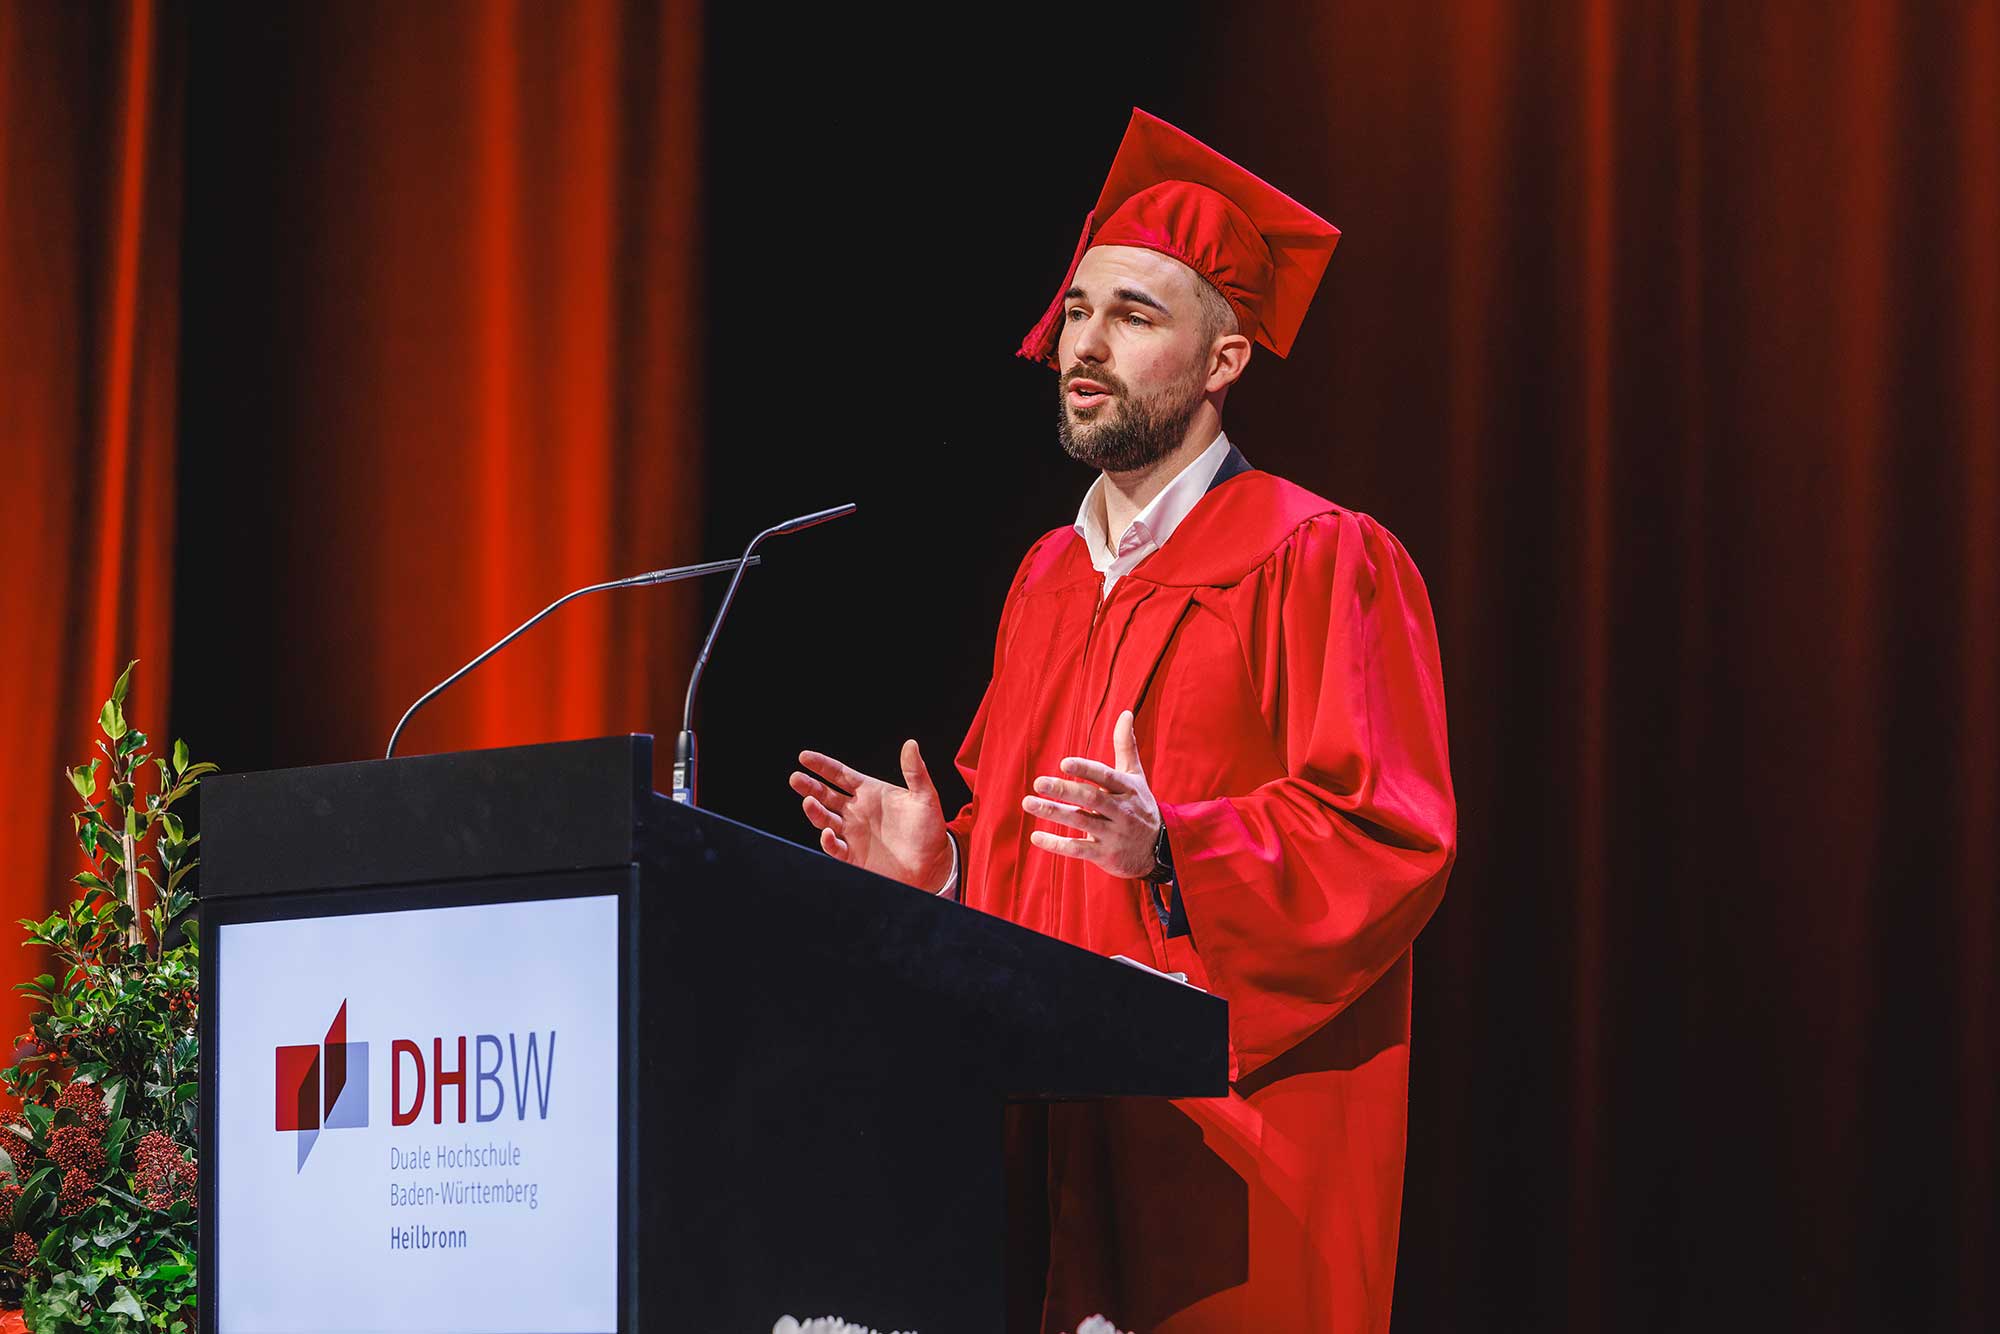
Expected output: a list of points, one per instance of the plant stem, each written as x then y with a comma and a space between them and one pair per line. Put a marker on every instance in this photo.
135, 930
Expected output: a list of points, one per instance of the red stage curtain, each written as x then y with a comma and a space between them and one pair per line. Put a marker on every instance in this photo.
487, 392
1668, 337
90, 226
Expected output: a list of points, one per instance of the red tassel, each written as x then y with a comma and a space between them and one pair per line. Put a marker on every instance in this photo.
1040, 344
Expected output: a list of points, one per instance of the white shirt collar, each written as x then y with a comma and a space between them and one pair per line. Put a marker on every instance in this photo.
1153, 525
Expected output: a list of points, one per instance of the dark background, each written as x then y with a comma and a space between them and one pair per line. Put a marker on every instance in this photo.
1663, 337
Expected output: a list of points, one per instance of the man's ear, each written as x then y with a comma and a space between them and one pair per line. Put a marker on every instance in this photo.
1227, 361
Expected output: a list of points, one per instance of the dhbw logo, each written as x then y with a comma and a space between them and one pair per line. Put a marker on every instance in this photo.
530, 1075
323, 1087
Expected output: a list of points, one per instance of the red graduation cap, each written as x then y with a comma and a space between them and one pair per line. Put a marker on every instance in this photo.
1170, 192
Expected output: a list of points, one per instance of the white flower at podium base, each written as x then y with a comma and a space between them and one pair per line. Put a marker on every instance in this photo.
827, 1324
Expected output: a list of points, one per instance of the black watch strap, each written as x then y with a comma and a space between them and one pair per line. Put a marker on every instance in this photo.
1163, 859
1165, 888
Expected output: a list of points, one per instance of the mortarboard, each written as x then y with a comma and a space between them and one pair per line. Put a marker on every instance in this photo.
1170, 192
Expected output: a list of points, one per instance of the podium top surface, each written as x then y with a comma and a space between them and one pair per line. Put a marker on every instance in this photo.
566, 805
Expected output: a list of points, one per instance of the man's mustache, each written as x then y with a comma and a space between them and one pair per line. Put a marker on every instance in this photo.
1112, 384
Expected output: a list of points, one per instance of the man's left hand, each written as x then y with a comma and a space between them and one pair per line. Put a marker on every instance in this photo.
1111, 808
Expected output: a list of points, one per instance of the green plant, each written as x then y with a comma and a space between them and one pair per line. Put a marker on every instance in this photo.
97, 1179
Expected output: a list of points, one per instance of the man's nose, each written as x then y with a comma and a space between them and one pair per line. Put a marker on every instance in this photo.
1090, 343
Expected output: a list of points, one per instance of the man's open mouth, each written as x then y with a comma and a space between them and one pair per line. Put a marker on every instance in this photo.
1087, 394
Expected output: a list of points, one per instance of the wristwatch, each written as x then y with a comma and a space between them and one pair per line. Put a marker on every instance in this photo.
1163, 860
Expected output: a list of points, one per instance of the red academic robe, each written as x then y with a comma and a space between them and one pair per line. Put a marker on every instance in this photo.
1282, 663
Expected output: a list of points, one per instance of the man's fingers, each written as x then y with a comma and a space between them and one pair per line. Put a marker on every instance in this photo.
1125, 744
832, 845
822, 818
1071, 816
916, 777
832, 771
1106, 777
830, 797
1087, 795
1082, 848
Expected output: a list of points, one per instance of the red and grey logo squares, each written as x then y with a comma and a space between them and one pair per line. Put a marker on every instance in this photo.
323, 1087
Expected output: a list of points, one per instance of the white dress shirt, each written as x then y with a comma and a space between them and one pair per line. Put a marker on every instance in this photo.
1148, 532
1153, 525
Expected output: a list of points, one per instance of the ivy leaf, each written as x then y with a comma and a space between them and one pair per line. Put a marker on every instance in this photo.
115, 1232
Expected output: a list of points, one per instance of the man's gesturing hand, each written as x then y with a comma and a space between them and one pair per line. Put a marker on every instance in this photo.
1112, 809
890, 830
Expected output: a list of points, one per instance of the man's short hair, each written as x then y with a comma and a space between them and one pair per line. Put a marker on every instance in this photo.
1218, 317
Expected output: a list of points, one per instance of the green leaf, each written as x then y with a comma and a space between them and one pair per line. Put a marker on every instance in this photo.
197, 770
90, 880
124, 682
130, 742
83, 780
115, 1231
112, 1190
112, 719
180, 756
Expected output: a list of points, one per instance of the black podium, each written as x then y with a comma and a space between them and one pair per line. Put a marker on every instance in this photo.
812, 1062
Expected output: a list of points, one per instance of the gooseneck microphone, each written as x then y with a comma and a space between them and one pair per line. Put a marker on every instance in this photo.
684, 745
635, 581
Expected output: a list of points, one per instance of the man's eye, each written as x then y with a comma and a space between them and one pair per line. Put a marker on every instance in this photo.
1073, 312
1137, 319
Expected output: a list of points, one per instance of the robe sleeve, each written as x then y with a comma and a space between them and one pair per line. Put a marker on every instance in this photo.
1304, 891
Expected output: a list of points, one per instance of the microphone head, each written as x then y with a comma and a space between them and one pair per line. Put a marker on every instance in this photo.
818, 517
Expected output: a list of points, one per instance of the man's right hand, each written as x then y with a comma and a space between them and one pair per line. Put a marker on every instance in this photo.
894, 831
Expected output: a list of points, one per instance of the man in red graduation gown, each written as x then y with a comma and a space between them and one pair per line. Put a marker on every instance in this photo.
1214, 740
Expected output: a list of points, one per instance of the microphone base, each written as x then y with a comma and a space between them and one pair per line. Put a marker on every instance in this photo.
684, 787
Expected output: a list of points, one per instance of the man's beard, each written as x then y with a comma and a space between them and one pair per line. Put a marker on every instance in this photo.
1142, 431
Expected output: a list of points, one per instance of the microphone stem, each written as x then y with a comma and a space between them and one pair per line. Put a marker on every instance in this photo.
685, 750
634, 581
